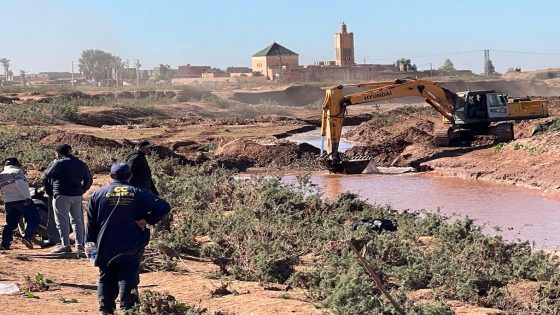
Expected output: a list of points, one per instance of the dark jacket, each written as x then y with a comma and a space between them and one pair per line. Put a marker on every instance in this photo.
141, 173
68, 177
111, 216
48, 183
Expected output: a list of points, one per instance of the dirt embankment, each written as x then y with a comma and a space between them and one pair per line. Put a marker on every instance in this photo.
243, 153
403, 137
516, 88
549, 76
389, 136
291, 96
234, 152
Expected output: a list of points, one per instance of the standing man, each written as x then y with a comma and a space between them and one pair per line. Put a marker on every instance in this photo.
141, 173
52, 230
117, 215
17, 201
70, 179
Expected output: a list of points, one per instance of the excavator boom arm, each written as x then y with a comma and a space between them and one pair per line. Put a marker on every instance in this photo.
335, 103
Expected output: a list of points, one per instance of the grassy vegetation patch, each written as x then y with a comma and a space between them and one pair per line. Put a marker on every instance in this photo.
549, 126
26, 144
30, 113
262, 229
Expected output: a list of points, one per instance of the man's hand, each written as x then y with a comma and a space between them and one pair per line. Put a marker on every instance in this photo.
27, 202
142, 224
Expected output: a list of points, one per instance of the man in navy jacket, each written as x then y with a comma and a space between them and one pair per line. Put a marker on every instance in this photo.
117, 216
69, 178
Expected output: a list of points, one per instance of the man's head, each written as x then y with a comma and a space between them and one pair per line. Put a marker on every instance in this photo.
121, 171
12, 161
63, 150
143, 146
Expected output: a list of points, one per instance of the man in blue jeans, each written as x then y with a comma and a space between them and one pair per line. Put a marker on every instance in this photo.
117, 215
17, 201
70, 179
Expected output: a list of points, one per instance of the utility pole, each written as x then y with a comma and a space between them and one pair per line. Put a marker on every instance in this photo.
486, 62
73, 62
72, 73
137, 64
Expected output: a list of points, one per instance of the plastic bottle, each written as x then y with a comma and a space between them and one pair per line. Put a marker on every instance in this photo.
91, 251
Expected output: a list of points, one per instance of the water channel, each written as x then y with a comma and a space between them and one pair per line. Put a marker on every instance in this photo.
520, 213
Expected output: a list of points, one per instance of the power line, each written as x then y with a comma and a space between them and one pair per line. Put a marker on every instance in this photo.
461, 53
526, 52
424, 55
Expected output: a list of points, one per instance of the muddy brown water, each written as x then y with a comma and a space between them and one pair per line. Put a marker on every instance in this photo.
520, 213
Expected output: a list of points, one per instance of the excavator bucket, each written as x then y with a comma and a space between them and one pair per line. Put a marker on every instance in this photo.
355, 166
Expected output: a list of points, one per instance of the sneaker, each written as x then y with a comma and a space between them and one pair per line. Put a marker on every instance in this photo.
27, 243
5, 247
62, 249
80, 249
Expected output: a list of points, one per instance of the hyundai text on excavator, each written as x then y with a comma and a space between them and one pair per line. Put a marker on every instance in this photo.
465, 114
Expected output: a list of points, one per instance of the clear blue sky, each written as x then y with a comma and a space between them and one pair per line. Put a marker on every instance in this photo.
47, 35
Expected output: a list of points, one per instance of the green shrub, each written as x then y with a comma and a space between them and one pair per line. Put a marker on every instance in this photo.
550, 126
152, 302
35, 112
549, 297
499, 146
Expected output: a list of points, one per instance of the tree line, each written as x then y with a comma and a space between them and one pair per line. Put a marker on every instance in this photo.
100, 66
406, 65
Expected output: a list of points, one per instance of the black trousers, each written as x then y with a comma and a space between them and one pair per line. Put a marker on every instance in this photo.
14, 211
118, 279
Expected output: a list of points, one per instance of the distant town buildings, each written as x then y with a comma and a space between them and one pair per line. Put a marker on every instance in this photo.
189, 71
274, 62
56, 78
277, 62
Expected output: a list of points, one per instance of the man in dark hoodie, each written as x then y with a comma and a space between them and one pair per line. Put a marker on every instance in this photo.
117, 216
70, 179
141, 172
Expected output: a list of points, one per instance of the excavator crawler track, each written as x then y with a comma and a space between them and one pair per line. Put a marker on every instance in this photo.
502, 132
441, 136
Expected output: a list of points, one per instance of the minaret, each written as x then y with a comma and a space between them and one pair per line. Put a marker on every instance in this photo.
344, 47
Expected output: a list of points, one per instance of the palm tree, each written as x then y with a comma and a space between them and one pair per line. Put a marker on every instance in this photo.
6, 65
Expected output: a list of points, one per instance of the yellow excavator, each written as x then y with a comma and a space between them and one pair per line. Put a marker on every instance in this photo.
465, 114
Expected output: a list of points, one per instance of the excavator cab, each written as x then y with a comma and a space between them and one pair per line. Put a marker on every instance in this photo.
479, 107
